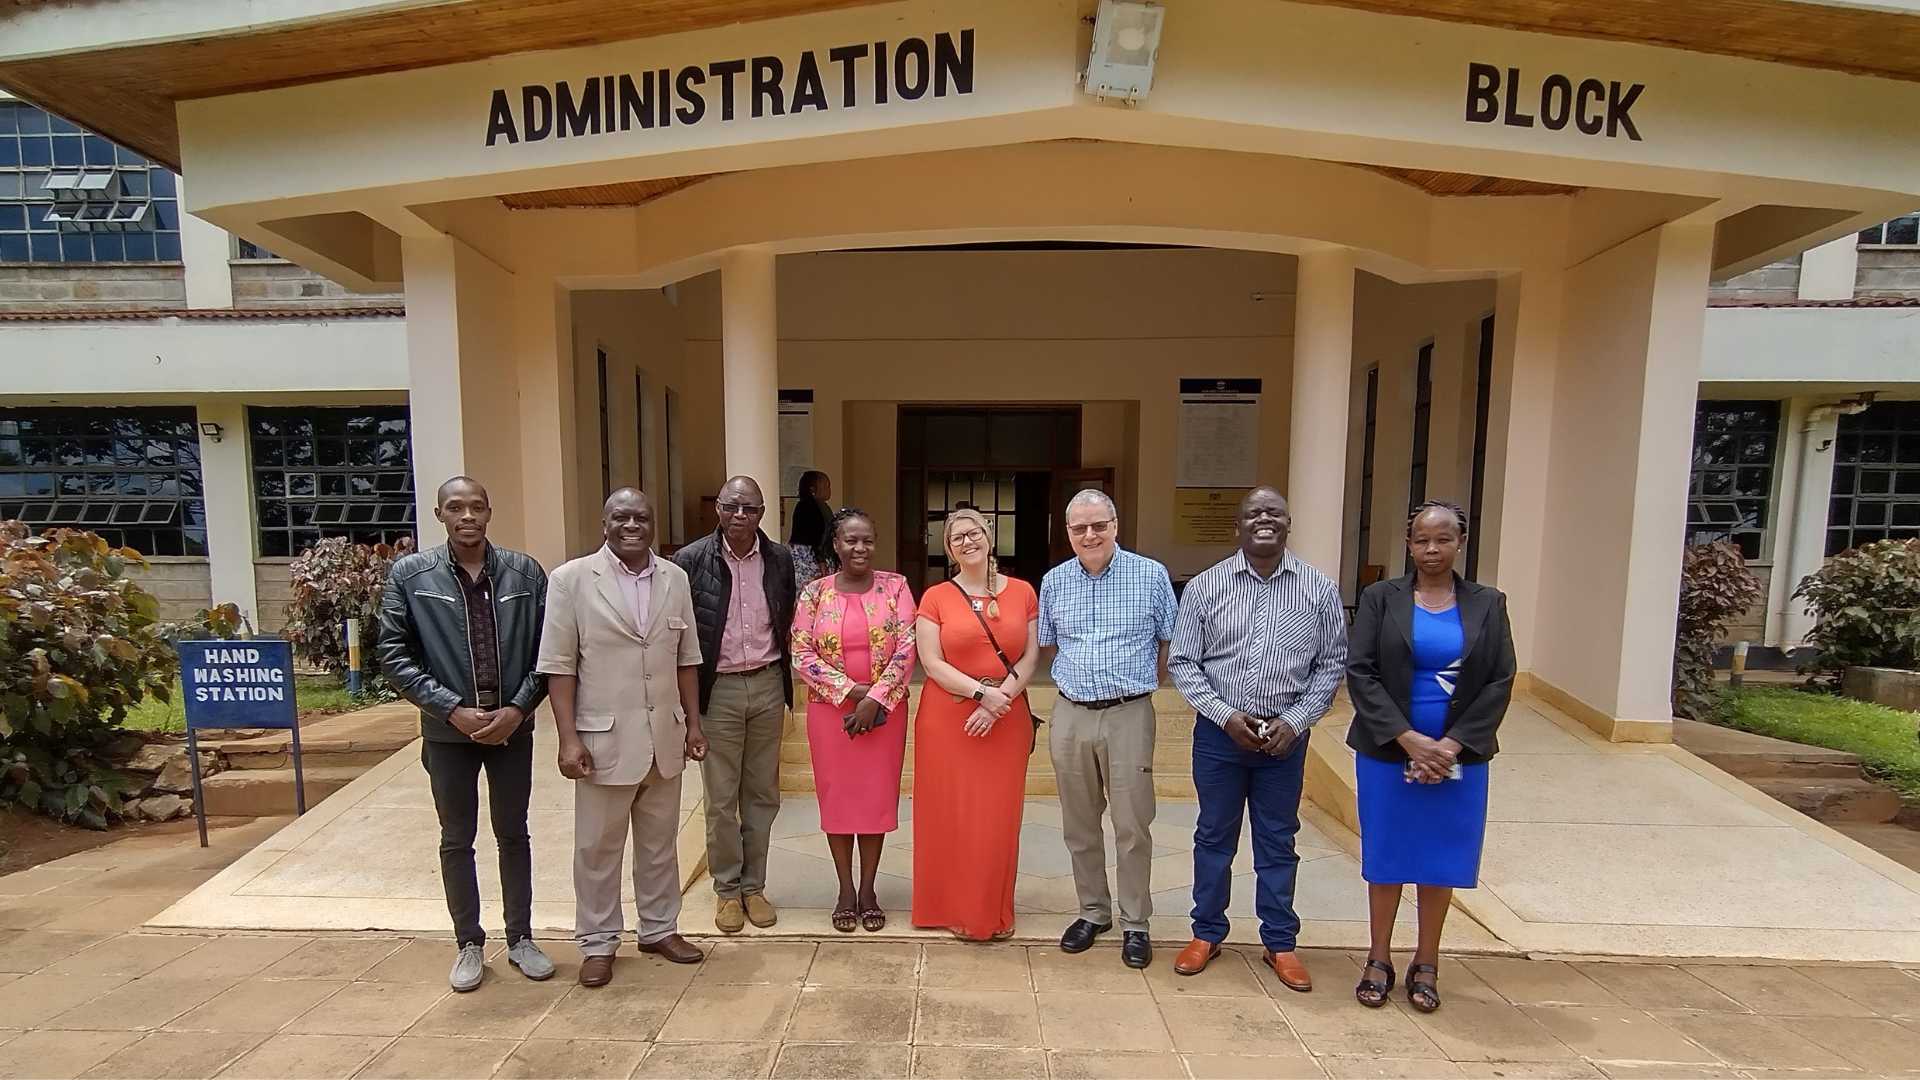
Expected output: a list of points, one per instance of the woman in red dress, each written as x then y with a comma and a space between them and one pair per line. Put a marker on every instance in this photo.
977, 638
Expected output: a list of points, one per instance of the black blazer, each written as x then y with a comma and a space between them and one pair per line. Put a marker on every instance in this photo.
1380, 670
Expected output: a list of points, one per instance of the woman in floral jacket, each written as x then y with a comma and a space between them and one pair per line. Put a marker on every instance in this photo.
853, 642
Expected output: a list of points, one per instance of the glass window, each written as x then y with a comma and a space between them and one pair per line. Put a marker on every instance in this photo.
1903, 231
331, 472
1730, 492
69, 196
1876, 477
138, 488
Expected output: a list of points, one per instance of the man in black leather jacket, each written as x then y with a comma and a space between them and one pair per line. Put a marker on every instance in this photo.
459, 634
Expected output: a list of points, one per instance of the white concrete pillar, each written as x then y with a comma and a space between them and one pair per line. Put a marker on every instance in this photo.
1622, 436
1526, 344
226, 479
463, 383
543, 351
1801, 516
750, 367
205, 249
1322, 380
1828, 271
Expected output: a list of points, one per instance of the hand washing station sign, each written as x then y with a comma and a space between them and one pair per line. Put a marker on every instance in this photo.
237, 684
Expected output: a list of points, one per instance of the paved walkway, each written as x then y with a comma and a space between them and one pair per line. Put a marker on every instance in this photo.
85, 991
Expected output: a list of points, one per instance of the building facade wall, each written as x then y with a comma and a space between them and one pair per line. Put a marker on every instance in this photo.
42, 289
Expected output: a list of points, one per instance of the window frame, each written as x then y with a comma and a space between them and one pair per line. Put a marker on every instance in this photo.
302, 478
1763, 428
109, 453
1898, 422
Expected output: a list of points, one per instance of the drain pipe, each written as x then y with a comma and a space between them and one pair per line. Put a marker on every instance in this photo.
1801, 549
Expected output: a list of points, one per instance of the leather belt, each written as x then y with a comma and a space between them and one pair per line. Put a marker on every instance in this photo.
1106, 703
743, 672
486, 699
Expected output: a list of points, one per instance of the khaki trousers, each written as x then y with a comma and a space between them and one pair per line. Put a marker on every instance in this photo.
1103, 761
745, 718
603, 817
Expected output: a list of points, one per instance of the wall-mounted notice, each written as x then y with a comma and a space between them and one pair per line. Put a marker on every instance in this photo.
1207, 515
1219, 433
796, 448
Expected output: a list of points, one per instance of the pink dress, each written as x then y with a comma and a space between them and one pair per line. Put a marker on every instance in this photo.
857, 779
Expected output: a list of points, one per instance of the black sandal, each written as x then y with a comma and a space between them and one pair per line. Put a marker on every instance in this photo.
1371, 992
844, 920
873, 920
1423, 994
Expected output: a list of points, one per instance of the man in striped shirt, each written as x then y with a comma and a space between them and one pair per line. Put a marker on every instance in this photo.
1259, 648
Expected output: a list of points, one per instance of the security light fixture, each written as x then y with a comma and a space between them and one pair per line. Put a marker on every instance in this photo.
1126, 39
210, 429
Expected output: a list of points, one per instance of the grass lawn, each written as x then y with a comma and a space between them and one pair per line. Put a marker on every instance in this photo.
311, 693
1884, 738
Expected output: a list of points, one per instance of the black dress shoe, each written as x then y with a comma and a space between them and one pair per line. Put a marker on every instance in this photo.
1136, 948
1079, 937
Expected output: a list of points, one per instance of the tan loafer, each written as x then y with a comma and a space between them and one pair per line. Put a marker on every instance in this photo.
1291, 970
1195, 957
731, 916
761, 912
596, 970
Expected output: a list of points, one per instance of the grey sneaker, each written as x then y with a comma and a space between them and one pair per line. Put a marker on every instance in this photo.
469, 968
533, 963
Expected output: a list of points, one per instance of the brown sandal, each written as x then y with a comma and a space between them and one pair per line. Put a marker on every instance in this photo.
1422, 994
1372, 992
873, 920
844, 920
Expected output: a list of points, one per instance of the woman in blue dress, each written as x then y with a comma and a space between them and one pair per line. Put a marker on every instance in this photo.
1430, 670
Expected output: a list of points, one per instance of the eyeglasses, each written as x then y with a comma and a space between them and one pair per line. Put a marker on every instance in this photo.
739, 508
1095, 527
967, 539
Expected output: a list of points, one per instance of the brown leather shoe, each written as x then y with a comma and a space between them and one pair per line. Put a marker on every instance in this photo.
1291, 970
596, 970
1195, 957
675, 948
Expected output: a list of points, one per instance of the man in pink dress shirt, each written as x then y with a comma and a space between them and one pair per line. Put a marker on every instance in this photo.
743, 596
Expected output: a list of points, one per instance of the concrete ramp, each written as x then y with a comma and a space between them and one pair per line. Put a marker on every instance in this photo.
1596, 848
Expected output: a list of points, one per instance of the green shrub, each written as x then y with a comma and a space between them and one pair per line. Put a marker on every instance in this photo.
1867, 606
80, 642
1715, 589
337, 580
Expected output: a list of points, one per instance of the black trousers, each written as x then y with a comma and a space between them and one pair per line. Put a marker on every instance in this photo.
454, 769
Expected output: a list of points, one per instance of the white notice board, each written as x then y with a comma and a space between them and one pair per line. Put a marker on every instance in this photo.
1219, 433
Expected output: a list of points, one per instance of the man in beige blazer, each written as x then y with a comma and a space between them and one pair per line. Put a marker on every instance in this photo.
623, 662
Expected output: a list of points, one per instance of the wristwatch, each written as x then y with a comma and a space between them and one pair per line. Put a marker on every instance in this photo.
979, 693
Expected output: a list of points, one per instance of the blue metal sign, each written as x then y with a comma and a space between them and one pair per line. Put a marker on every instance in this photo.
237, 684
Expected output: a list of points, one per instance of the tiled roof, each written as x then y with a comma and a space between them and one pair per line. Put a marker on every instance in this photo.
1855, 302
288, 313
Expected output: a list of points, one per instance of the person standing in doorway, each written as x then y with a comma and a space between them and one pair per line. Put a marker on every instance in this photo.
622, 663
853, 646
1109, 614
743, 596
459, 631
1258, 651
1431, 677
809, 535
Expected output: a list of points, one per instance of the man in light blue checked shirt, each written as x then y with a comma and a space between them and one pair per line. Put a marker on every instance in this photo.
1109, 614
1259, 650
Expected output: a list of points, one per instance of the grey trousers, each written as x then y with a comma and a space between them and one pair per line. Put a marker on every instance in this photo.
604, 815
745, 718
1103, 761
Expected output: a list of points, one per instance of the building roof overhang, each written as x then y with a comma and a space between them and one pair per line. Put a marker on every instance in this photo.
119, 67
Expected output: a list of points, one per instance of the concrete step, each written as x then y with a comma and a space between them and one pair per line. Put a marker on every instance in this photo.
364, 738
265, 792
1752, 757
1834, 799
1751, 768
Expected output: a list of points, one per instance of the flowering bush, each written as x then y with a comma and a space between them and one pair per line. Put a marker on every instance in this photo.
334, 581
80, 642
1867, 603
1715, 588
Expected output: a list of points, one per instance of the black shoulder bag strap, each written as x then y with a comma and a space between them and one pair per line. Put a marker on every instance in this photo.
980, 614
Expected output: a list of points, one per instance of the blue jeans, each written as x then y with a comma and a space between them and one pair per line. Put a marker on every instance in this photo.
1234, 783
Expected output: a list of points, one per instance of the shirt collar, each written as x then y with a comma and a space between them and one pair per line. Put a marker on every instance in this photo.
621, 568
1118, 553
1289, 564
752, 552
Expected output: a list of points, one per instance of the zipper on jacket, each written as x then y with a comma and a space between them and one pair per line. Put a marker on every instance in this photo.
499, 673
466, 613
